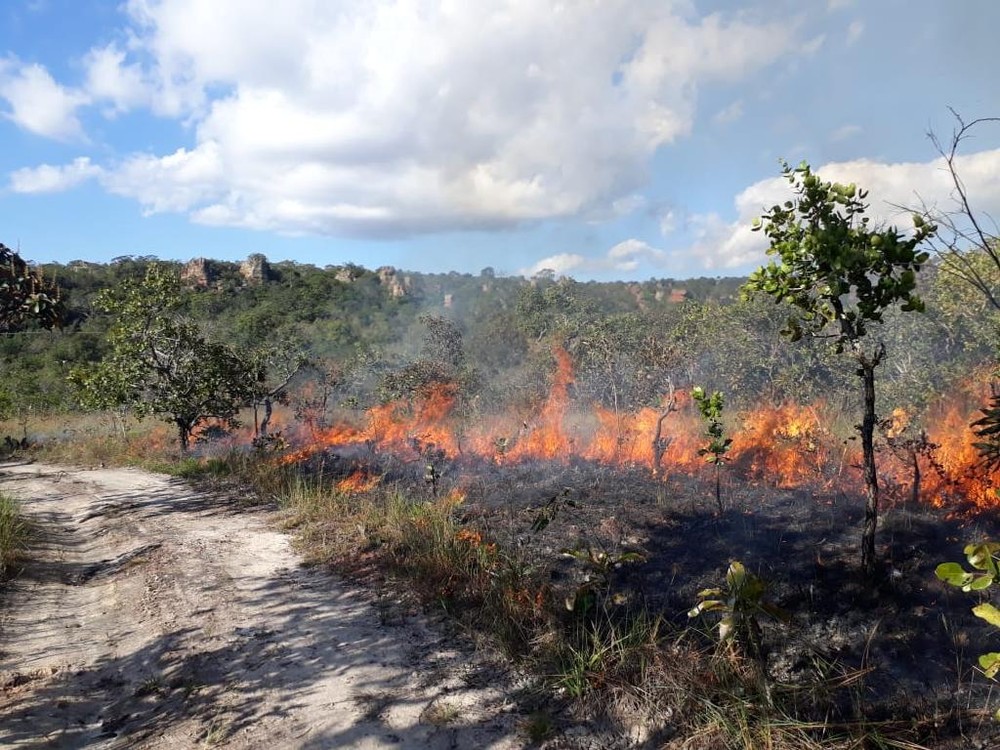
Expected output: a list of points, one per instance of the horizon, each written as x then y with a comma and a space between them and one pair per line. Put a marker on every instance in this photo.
629, 141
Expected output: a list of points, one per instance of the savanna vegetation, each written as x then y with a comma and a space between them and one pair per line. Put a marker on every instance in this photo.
641, 492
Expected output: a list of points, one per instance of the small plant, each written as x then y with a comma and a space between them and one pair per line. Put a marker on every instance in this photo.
715, 451
598, 566
984, 558
741, 603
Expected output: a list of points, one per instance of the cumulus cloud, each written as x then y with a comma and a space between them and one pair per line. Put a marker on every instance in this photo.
723, 244
393, 117
111, 79
625, 257
37, 103
47, 178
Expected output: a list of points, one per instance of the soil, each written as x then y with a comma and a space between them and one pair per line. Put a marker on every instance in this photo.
150, 615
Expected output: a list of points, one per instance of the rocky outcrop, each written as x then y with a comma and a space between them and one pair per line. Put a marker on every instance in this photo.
390, 279
255, 269
197, 273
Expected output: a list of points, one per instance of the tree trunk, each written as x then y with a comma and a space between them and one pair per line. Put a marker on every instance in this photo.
871, 478
183, 436
915, 491
266, 421
718, 488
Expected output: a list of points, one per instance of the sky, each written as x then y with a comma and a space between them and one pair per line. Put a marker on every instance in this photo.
598, 139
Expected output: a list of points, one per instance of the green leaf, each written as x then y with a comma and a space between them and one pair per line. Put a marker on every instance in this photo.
953, 573
988, 612
990, 663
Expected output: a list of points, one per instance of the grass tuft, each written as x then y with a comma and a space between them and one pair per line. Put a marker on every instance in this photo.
14, 535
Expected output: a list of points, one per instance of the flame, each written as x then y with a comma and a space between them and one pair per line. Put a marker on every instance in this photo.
782, 444
547, 438
357, 482
788, 445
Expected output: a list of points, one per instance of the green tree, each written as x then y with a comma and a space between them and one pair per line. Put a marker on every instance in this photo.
25, 295
840, 275
161, 364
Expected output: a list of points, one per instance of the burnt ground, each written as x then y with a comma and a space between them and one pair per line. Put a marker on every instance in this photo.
913, 637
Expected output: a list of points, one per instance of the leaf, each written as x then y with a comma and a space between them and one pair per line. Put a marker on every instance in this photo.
711, 605
990, 663
727, 627
953, 573
978, 584
988, 612
631, 557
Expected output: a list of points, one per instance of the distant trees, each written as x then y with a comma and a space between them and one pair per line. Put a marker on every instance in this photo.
160, 363
840, 275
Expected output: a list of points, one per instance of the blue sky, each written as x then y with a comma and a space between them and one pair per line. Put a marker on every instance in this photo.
614, 139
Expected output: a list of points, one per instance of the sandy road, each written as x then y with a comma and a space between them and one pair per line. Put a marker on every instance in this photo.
152, 616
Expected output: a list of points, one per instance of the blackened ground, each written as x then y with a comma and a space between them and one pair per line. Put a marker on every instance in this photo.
912, 638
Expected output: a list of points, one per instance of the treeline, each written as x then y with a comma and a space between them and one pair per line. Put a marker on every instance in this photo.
370, 335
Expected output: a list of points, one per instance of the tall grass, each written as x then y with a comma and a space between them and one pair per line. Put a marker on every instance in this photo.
14, 534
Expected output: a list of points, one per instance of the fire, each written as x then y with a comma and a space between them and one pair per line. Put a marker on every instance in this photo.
788, 445
783, 444
357, 482
547, 438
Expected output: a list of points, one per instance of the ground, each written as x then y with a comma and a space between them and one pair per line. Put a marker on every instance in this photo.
154, 616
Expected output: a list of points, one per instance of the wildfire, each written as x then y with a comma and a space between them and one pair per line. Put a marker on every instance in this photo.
788, 445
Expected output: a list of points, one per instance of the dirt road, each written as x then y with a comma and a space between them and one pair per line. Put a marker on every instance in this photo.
152, 616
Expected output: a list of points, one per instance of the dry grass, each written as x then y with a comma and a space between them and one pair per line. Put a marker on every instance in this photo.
14, 534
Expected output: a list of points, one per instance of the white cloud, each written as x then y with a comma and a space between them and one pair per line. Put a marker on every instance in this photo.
37, 103
111, 79
724, 244
629, 204
668, 222
625, 257
833, 5
398, 116
729, 114
854, 31
47, 178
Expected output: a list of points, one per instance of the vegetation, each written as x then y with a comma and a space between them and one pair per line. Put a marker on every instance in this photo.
159, 363
840, 276
25, 295
14, 534
710, 407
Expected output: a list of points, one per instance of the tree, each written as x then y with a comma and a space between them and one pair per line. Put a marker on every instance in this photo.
968, 245
161, 364
25, 295
715, 450
840, 275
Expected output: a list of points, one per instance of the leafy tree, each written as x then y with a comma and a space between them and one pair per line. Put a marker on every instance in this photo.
25, 295
840, 275
159, 363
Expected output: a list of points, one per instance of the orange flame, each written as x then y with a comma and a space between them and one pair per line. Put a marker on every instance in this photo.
357, 482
